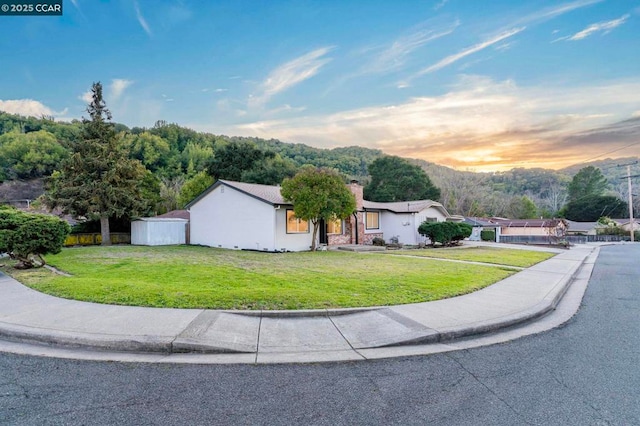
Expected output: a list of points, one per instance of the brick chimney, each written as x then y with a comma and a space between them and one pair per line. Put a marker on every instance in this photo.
357, 191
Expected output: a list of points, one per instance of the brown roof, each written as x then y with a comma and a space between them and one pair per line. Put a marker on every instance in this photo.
176, 214
271, 194
402, 206
268, 193
527, 223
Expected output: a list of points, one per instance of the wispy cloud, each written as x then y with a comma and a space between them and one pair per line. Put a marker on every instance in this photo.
394, 57
141, 19
440, 4
117, 87
286, 108
462, 54
290, 74
479, 123
553, 12
516, 27
603, 27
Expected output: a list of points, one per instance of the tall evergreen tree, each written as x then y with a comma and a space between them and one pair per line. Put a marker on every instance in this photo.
98, 180
589, 181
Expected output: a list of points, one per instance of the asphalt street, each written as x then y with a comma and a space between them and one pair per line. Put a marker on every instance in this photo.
583, 373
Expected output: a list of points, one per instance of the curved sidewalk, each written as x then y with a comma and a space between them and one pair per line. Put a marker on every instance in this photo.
281, 336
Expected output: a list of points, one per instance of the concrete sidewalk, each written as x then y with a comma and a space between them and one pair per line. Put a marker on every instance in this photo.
285, 336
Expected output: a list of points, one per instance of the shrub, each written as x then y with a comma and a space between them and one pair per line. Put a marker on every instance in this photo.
445, 233
377, 241
27, 236
487, 235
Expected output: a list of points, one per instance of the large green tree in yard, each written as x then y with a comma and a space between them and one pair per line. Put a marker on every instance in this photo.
396, 179
98, 180
318, 194
270, 171
592, 207
231, 160
588, 200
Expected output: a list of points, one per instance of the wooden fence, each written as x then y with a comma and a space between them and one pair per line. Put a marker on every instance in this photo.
94, 239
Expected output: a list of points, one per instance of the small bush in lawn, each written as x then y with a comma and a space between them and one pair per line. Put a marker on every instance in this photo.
27, 236
445, 233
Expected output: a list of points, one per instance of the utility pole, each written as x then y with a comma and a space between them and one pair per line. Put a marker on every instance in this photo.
630, 203
628, 177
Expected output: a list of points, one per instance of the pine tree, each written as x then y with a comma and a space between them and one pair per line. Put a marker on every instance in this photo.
98, 180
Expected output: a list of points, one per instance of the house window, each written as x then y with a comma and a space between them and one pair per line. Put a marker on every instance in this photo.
295, 225
431, 219
334, 227
372, 220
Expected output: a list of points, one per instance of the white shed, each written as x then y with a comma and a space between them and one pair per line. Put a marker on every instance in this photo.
158, 231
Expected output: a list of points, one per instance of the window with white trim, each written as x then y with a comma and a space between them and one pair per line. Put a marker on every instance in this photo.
372, 220
296, 225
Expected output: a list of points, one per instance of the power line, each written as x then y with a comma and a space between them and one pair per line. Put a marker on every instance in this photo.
610, 152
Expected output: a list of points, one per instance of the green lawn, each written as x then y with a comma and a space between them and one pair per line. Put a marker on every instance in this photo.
498, 256
200, 277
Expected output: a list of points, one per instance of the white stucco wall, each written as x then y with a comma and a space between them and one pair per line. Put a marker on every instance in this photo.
228, 218
290, 242
405, 225
399, 225
475, 233
158, 231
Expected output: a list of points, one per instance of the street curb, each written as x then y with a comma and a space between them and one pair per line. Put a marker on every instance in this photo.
539, 310
181, 345
96, 341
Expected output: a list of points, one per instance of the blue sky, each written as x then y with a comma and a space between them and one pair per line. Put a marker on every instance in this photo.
471, 84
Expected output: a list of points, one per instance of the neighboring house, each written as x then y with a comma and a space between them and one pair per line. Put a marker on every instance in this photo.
531, 227
627, 225
238, 215
582, 228
400, 220
479, 224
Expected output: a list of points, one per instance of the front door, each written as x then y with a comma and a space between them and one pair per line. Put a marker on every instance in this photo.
322, 238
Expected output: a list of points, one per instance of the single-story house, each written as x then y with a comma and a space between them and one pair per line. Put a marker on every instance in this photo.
399, 221
582, 228
479, 224
531, 227
627, 225
239, 215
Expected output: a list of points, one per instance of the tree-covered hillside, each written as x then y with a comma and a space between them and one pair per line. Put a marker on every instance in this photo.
178, 157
